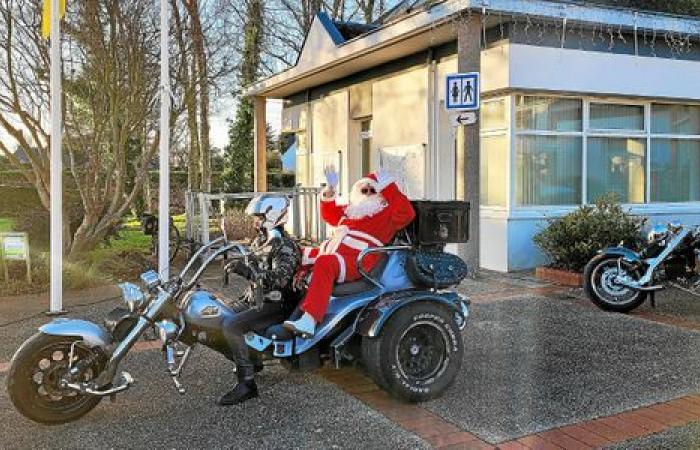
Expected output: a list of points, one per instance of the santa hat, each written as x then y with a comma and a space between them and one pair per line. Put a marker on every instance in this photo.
369, 179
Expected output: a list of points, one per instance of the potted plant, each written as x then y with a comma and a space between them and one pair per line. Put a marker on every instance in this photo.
572, 240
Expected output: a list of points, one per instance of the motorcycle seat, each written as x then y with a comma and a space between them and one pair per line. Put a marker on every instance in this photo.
363, 284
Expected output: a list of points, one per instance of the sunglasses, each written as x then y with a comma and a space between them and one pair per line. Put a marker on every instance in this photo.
368, 191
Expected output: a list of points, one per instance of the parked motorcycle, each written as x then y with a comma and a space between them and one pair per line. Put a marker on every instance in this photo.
406, 335
619, 279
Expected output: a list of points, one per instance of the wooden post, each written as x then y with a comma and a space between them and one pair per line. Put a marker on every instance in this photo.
469, 60
260, 144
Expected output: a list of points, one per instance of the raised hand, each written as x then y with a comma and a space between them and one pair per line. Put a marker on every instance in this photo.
384, 178
331, 176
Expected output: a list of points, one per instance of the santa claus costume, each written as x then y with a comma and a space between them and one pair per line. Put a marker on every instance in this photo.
376, 212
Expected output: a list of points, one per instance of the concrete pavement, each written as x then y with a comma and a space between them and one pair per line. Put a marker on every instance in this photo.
539, 363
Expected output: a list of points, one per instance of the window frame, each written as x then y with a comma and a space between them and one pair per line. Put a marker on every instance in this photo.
495, 132
646, 135
530, 132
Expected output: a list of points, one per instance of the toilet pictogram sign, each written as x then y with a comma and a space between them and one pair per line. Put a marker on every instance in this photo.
462, 91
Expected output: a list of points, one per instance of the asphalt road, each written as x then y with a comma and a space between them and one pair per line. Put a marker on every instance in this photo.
530, 364
535, 364
294, 411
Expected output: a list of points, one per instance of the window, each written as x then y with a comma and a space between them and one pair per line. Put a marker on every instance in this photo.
366, 138
612, 116
494, 153
674, 153
548, 170
548, 113
548, 151
675, 119
616, 166
645, 152
493, 115
675, 170
492, 176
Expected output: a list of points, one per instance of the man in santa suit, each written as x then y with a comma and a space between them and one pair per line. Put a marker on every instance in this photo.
376, 212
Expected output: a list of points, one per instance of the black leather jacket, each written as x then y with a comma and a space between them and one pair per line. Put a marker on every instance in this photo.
277, 258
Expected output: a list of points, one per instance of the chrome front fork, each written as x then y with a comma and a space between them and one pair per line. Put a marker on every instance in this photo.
174, 368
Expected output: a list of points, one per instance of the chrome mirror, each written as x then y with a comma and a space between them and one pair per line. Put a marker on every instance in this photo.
150, 279
133, 296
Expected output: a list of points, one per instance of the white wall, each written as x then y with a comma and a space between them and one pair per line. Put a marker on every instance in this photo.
524, 224
329, 135
601, 73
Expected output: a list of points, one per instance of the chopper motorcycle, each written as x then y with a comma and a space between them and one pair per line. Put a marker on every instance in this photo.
399, 322
620, 279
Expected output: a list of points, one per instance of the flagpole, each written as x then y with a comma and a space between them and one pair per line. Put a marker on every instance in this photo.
56, 206
164, 172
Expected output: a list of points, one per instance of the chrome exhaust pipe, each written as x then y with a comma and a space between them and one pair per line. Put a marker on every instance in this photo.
85, 388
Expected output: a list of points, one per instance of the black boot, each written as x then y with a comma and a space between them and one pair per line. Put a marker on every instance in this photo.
244, 390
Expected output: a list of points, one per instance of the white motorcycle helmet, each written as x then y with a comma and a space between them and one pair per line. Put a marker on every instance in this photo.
273, 207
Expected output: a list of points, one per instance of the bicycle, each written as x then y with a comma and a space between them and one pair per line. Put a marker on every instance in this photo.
149, 225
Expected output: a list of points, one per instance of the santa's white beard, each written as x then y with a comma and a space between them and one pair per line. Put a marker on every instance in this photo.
364, 205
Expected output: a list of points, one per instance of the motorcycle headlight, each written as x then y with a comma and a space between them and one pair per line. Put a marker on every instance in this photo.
133, 296
657, 234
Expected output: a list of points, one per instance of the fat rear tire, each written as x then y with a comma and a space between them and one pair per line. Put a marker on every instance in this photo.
390, 361
593, 287
25, 392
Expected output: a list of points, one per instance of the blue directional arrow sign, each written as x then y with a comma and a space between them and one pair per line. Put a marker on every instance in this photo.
462, 91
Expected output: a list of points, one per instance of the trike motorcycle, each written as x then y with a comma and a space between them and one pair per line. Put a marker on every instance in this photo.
406, 336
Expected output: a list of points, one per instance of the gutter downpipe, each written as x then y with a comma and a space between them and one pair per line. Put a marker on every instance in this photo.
431, 154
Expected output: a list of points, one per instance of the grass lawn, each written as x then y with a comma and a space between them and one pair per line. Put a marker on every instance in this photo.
121, 259
6, 224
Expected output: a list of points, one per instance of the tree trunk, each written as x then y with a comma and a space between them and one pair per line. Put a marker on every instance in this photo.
202, 78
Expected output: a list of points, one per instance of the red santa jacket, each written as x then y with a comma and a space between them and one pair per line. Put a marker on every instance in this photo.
354, 235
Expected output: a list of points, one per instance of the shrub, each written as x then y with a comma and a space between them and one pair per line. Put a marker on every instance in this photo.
572, 240
76, 275
239, 225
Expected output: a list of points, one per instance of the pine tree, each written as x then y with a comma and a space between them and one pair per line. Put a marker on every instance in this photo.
238, 171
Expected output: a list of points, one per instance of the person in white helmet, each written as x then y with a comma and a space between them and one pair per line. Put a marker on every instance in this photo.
276, 259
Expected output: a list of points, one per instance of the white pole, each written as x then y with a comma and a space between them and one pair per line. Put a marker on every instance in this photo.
164, 191
56, 206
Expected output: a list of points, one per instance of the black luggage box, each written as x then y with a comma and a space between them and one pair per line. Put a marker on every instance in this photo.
439, 222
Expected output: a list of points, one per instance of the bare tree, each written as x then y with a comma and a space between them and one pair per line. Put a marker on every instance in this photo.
289, 22
110, 120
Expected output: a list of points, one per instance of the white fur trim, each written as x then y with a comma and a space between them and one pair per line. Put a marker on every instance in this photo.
306, 259
365, 236
341, 274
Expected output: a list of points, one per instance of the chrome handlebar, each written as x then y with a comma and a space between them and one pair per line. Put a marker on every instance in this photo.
219, 251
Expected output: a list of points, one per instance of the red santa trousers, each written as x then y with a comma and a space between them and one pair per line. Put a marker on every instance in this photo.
336, 259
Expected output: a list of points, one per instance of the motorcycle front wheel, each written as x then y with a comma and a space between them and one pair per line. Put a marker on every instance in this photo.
599, 282
35, 372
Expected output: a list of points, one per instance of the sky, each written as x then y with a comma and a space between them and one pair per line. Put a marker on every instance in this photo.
226, 110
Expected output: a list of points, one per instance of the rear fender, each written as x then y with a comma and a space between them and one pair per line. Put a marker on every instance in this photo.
629, 256
377, 313
92, 334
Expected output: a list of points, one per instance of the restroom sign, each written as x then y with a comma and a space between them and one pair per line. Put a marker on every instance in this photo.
462, 91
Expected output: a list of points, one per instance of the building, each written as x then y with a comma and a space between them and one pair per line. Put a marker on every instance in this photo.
577, 101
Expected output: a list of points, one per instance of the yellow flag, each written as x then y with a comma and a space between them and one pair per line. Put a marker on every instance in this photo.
46, 16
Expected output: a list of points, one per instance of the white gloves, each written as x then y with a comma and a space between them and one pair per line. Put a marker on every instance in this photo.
384, 179
331, 176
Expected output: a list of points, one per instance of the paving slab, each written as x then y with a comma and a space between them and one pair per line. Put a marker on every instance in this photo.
541, 363
681, 438
294, 411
